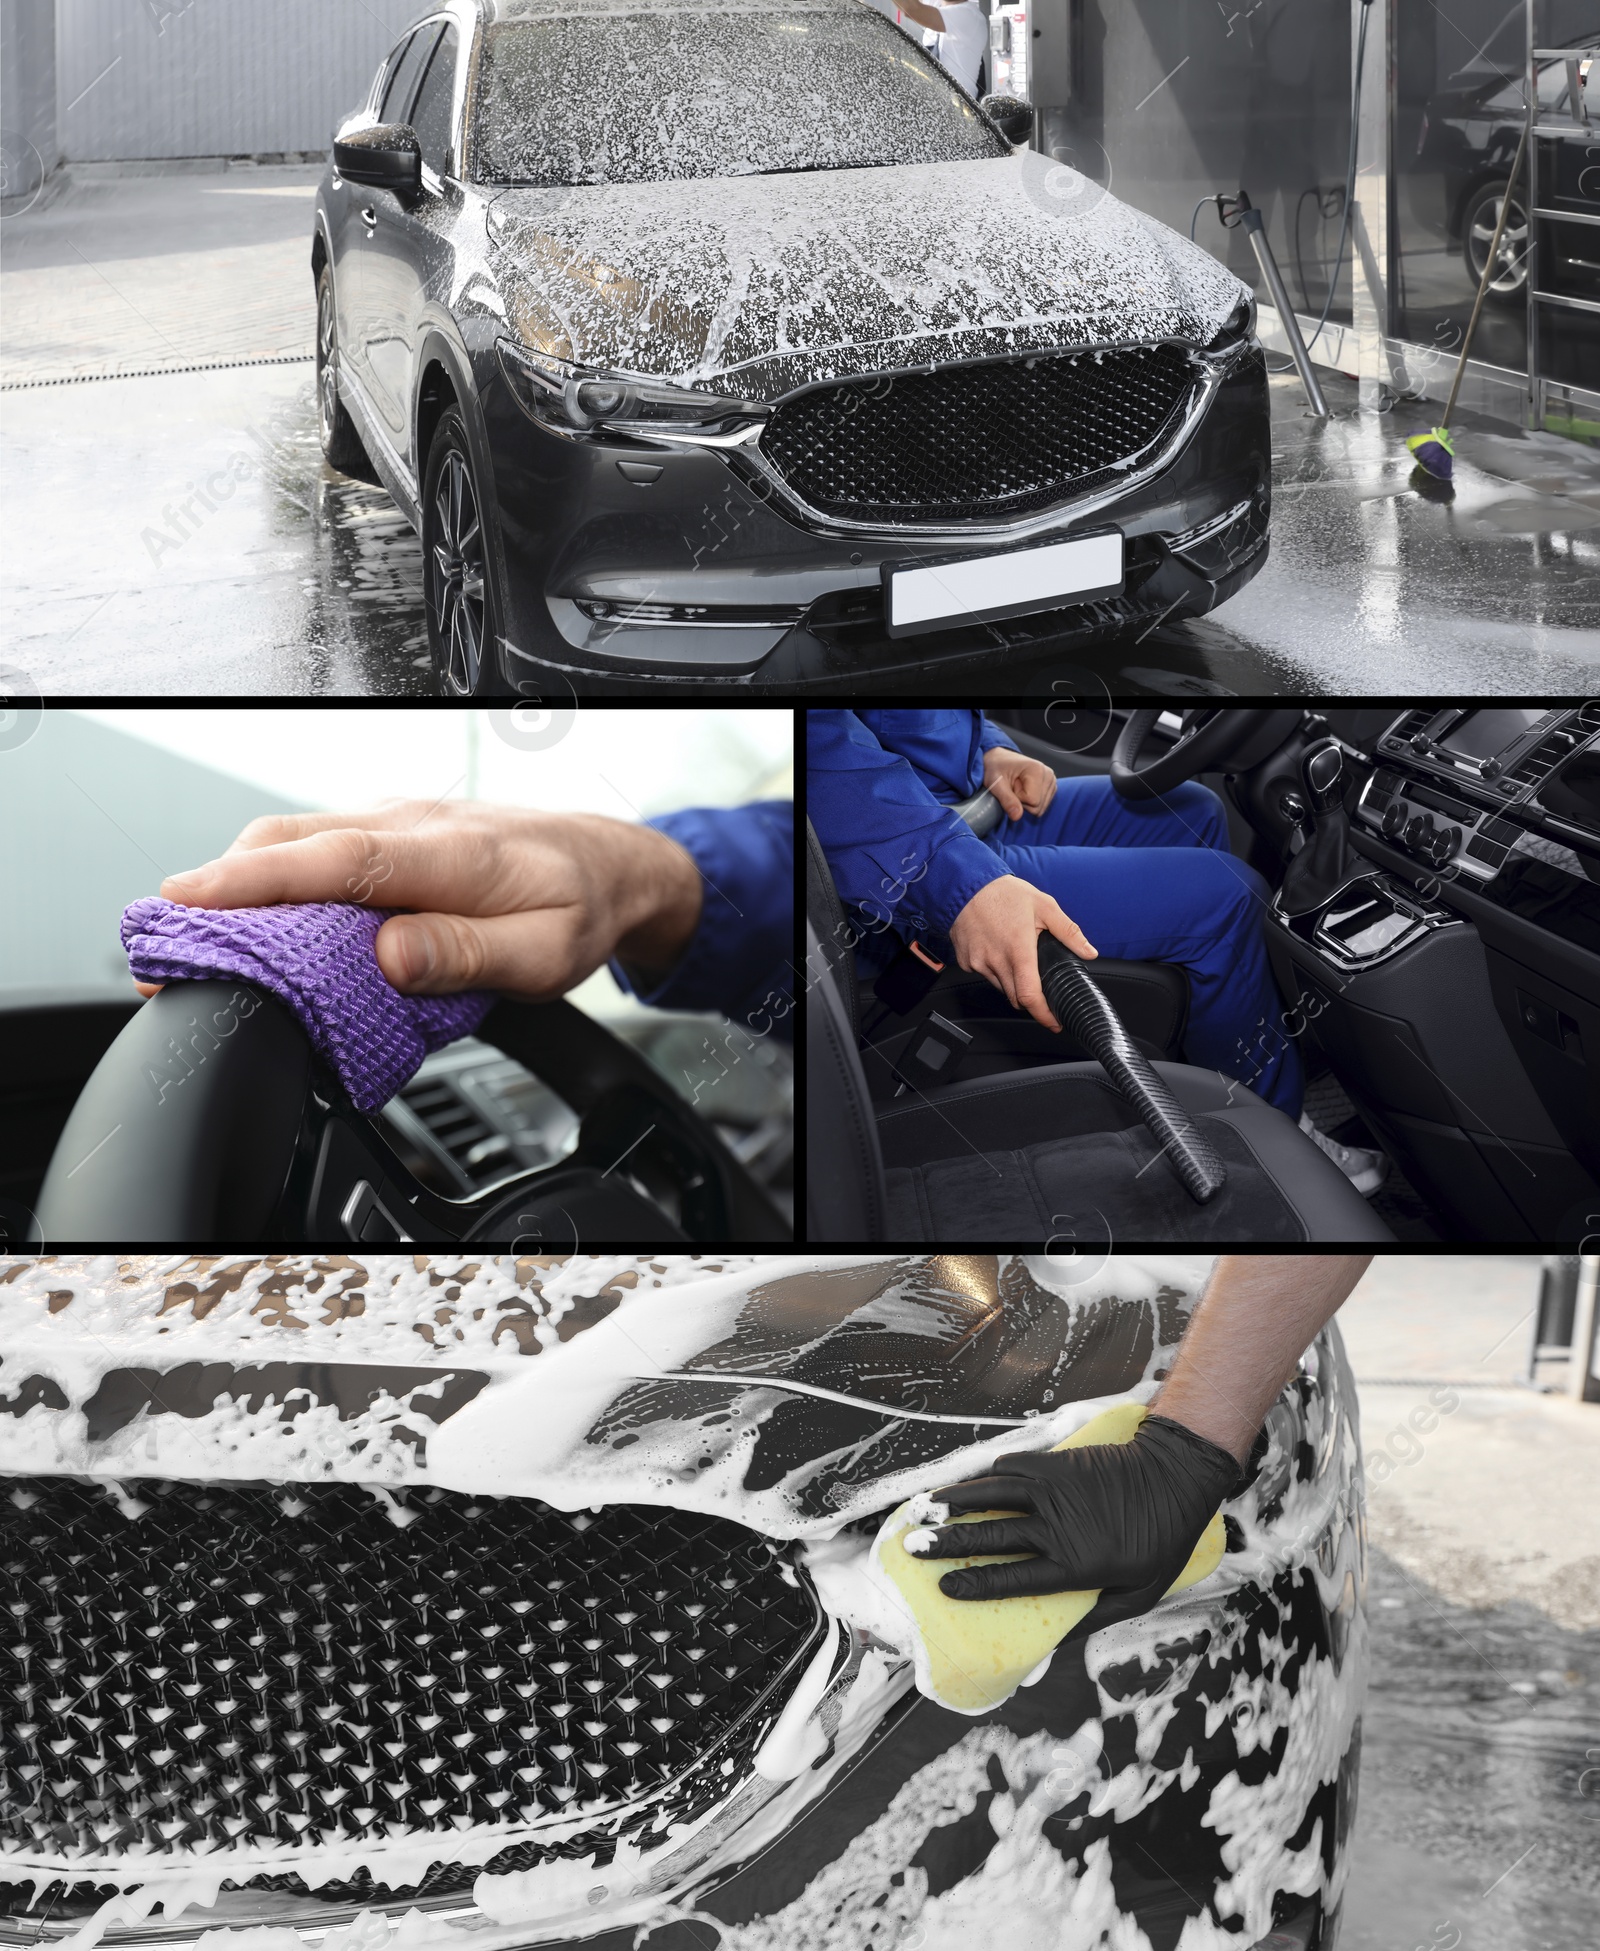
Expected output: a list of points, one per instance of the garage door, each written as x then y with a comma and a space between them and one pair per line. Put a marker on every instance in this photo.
161, 78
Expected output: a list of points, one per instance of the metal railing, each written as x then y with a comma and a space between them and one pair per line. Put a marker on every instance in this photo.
1568, 122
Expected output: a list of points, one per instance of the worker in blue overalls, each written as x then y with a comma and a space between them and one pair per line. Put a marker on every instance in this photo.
879, 788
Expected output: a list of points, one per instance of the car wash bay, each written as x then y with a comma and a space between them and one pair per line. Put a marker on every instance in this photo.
173, 527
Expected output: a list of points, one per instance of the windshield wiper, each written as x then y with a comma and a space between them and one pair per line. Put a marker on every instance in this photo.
810, 169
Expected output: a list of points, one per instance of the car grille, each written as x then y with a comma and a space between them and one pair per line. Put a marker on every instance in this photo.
241, 1663
986, 440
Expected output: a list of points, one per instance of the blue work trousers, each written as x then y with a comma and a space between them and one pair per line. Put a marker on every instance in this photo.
1186, 899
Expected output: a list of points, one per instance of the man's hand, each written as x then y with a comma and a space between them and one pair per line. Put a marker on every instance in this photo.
996, 935
1021, 785
1120, 1517
526, 903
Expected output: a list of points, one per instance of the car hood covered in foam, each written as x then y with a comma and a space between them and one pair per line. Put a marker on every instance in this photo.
762, 284
786, 1392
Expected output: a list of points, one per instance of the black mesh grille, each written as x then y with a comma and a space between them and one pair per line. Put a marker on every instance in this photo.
984, 440
244, 1663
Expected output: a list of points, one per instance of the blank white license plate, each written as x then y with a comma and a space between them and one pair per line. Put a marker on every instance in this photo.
933, 595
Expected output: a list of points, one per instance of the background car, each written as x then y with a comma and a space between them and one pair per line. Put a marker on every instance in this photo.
1469, 135
98, 806
741, 378
527, 1597
1444, 989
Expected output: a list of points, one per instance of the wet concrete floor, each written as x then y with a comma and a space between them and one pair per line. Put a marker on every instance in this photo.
182, 535
179, 533
1479, 1818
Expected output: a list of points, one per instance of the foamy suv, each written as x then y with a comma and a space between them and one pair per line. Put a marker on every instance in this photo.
736, 345
375, 1600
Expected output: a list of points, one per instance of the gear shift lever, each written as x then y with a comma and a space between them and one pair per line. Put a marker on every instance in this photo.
1323, 865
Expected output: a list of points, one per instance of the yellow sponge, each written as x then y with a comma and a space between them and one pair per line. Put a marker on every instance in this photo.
975, 1653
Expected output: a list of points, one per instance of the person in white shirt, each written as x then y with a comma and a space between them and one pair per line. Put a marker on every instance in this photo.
961, 34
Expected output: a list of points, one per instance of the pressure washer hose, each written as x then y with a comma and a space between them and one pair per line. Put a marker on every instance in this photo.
1350, 173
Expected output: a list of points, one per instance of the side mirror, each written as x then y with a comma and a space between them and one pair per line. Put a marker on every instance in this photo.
1012, 118
388, 157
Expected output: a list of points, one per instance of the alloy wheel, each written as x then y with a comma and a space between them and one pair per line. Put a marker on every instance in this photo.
1511, 263
458, 573
327, 364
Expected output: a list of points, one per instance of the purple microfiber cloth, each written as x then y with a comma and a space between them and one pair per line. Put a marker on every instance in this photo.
322, 961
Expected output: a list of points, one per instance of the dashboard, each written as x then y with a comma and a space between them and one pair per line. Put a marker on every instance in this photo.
472, 1116
1491, 814
1503, 801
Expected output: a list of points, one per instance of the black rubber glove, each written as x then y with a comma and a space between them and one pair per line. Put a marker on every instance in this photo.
1120, 1516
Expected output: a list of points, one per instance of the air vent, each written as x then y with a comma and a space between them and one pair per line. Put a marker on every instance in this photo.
479, 1153
1589, 717
1543, 759
1410, 725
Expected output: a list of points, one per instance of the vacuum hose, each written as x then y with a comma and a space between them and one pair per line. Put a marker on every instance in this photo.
1080, 1007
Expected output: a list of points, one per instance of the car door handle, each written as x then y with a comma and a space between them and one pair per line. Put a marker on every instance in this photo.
369, 216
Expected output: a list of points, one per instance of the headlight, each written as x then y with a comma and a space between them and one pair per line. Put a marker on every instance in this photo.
1238, 328
571, 399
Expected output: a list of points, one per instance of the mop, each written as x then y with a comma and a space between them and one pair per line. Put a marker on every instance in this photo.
1434, 450
972, 1654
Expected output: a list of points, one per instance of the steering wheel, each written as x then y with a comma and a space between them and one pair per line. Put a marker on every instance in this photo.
1211, 740
210, 1120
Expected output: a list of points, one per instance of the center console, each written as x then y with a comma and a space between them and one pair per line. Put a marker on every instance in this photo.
1453, 974
1462, 786
1371, 919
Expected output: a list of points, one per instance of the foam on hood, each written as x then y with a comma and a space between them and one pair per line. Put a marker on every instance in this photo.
760, 284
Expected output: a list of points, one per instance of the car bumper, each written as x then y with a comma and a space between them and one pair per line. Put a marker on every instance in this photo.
700, 576
1190, 1773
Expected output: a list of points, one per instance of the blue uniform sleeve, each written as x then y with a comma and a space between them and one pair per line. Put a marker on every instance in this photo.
990, 735
898, 856
741, 959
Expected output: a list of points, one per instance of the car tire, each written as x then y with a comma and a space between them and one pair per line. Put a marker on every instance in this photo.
341, 444
1510, 284
463, 608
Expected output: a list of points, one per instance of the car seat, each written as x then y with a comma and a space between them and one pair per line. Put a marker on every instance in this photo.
1050, 1155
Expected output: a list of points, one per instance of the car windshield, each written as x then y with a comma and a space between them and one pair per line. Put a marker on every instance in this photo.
635, 97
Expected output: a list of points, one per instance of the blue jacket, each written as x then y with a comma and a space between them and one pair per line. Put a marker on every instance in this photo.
878, 788
741, 959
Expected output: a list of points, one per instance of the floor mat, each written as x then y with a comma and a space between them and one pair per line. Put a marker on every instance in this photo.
1396, 1202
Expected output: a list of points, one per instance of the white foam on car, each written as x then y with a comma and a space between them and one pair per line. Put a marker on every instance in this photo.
763, 283
74, 1318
